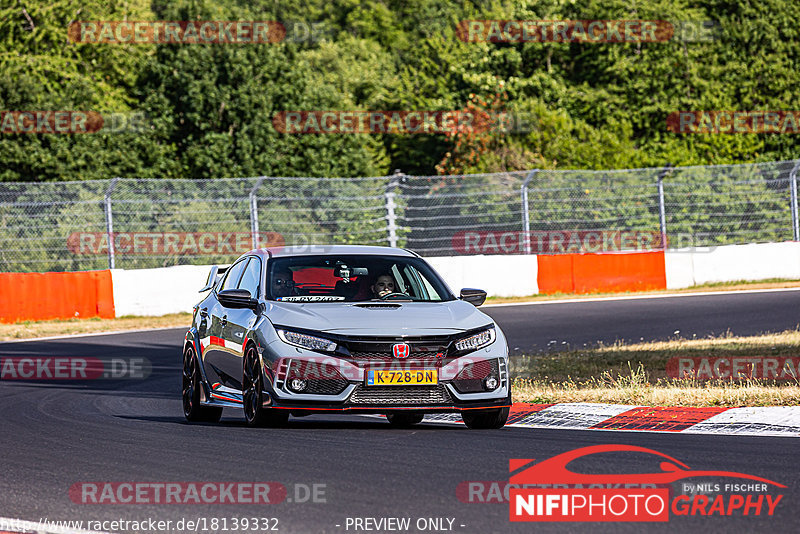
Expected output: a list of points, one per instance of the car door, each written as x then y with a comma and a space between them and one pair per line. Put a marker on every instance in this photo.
239, 321
215, 352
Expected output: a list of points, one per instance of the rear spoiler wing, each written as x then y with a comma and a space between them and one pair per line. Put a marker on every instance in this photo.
213, 277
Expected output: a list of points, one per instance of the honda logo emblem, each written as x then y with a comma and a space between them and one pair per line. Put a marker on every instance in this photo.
401, 350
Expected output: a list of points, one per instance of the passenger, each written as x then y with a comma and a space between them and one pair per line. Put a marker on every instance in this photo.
383, 285
282, 284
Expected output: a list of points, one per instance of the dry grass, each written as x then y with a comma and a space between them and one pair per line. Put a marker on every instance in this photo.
775, 283
33, 329
636, 374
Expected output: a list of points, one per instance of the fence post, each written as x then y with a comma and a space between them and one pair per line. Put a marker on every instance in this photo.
526, 221
110, 222
254, 212
662, 214
793, 188
391, 217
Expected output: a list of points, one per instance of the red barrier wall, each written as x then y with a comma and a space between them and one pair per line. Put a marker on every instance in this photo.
42, 296
598, 273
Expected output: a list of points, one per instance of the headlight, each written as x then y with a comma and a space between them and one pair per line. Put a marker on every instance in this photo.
477, 341
305, 341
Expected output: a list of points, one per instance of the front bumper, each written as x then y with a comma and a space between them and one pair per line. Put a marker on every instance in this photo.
451, 394
383, 408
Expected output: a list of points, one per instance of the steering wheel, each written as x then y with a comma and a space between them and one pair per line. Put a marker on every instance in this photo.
395, 294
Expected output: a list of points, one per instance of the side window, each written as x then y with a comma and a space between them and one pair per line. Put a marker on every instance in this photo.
432, 294
421, 285
413, 280
251, 280
233, 275
401, 283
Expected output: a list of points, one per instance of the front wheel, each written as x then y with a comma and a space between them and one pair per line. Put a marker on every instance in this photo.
253, 394
486, 419
190, 381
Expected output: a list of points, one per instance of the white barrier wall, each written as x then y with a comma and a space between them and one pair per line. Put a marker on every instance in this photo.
678, 269
158, 291
175, 289
499, 276
730, 263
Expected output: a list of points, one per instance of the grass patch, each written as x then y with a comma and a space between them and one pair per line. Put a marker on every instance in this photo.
33, 329
772, 283
637, 374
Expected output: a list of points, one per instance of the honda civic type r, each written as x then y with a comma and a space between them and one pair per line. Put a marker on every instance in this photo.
351, 329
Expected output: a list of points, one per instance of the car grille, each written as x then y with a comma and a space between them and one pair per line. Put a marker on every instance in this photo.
400, 395
321, 378
422, 356
364, 351
470, 379
326, 386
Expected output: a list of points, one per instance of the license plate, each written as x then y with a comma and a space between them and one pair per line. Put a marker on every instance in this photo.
420, 377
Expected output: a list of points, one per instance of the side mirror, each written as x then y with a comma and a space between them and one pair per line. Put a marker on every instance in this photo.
476, 297
211, 280
237, 298
213, 277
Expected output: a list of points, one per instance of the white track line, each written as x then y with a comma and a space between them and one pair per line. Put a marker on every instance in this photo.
640, 297
90, 334
761, 420
773, 421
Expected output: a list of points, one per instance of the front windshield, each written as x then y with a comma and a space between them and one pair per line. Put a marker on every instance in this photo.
353, 278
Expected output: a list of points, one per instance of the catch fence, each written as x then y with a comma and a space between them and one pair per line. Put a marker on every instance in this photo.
139, 223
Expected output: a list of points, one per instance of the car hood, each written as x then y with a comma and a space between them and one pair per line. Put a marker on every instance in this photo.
407, 319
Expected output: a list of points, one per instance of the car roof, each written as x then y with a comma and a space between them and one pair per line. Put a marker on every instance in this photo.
325, 250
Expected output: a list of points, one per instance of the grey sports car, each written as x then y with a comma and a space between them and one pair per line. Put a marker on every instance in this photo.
352, 329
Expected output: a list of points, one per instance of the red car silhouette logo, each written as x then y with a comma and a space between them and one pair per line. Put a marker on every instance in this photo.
401, 350
554, 470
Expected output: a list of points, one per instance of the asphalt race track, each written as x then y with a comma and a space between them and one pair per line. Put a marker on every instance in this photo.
56, 434
554, 325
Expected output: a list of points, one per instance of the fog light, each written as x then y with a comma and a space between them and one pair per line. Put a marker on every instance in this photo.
297, 384
490, 382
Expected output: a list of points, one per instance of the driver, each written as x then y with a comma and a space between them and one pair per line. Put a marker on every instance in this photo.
282, 284
383, 285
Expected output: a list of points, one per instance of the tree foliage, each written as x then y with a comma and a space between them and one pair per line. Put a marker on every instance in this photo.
209, 107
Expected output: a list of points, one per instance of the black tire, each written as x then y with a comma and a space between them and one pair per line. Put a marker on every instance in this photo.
404, 420
485, 419
190, 392
253, 394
